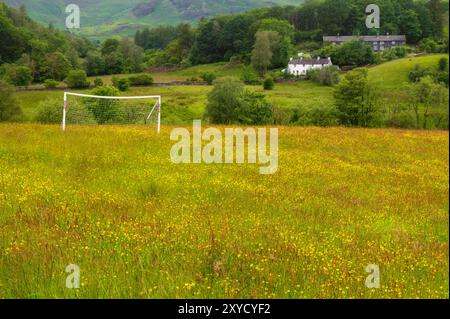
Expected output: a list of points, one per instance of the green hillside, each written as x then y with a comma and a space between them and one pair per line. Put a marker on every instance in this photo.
106, 17
182, 104
394, 74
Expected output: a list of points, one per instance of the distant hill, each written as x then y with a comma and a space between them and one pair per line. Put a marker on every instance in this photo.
102, 18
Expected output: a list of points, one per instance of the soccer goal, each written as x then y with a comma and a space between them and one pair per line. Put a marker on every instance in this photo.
85, 109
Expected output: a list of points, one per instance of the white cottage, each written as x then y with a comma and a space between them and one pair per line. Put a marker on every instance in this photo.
301, 66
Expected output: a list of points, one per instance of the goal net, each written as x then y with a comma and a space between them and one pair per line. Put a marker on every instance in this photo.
85, 109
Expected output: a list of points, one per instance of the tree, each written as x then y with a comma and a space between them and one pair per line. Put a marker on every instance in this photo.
354, 52
230, 103
109, 46
9, 105
437, 16
325, 76
410, 26
16, 74
56, 66
355, 99
262, 52
428, 99
94, 63
132, 56
77, 79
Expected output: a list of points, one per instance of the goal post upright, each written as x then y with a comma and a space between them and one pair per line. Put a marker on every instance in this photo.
64, 112
159, 114
158, 105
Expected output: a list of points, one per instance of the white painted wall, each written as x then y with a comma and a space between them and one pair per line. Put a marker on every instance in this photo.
302, 69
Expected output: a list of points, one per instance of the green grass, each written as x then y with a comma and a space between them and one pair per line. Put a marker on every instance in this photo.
182, 104
220, 69
110, 200
394, 75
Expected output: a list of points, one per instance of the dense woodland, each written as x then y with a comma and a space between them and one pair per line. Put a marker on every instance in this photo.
31, 52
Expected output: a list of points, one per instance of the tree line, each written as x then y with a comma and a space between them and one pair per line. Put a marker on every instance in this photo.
264, 37
292, 28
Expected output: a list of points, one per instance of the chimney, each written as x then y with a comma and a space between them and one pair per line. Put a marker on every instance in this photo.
387, 35
318, 58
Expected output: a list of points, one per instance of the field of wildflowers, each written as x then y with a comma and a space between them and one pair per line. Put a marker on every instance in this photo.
109, 200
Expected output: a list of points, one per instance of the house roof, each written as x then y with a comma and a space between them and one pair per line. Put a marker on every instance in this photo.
367, 38
309, 61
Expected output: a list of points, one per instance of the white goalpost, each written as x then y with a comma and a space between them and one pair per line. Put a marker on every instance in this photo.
94, 109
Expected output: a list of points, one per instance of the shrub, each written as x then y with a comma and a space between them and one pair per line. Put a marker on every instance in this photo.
443, 64
10, 109
319, 115
104, 111
51, 84
354, 52
22, 77
122, 84
394, 53
254, 109
17, 75
429, 45
50, 112
230, 103
192, 79
419, 72
326, 76
268, 83
208, 78
77, 79
98, 82
249, 76
141, 80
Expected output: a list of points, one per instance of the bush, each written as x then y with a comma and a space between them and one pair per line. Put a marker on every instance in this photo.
419, 72
22, 77
268, 83
429, 45
254, 109
319, 115
230, 103
141, 80
98, 82
249, 76
394, 53
352, 53
51, 84
443, 64
122, 84
50, 111
10, 109
208, 78
17, 75
77, 79
104, 111
326, 76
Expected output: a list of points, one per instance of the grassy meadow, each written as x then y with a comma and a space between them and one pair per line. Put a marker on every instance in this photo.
182, 104
109, 200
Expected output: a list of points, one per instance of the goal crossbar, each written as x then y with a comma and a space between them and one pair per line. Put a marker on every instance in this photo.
157, 105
